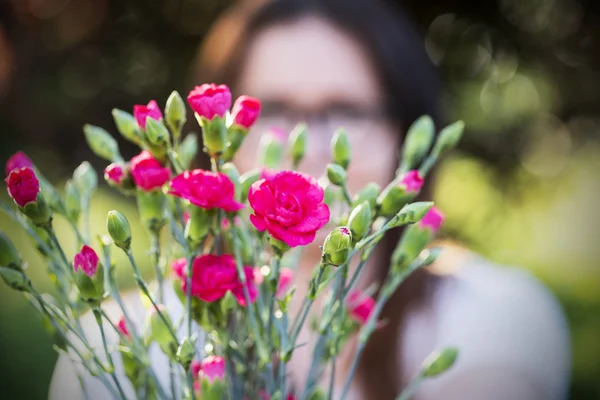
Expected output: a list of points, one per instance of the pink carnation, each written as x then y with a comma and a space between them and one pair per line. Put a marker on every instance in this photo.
289, 206
206, 189
213, 276
148, 174
432, 220
245, 111
18, 160
122, 327
412, 181
210, 100
195, 367
359, 306
86, 260
212, 368
141, 113
114, 173
23, 186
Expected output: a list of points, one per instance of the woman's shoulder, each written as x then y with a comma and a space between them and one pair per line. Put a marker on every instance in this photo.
499, 317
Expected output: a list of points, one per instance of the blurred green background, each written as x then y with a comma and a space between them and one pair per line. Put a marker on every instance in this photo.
522, 189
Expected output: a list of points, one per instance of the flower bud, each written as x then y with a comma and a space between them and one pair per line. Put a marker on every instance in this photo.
151, 206
246, 180
23, 186
85, 178
214, 135
440, 362
448, 138
330, 194
123, 328
156, 133
145, 113
297, 143
198, 226
271, 149
399, 192
432, 220
102, 143
410, 213
359, 221
18, 160
232, 172
209, 100
9, 256
148, 173
336, 174
127, 126
245, 111
418, 142
186, 352
161, 332
16, 280
72, 201
336, 247
360, 306
369, 194
119, 229
89, 275
188, 150
340, 148
175, 113
212, 378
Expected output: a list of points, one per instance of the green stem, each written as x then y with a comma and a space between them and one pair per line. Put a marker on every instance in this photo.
188, 307
56, 244
80, 238
347, 195
412, 387
98, 314
86, 218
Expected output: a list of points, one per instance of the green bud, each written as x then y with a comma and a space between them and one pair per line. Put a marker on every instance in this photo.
119, 229
214, 135
448, 138
330, 195
359, 221
410, 213
278, 246
336, 247
186, 352
246, 180
232, 172
102, 143
127, 126
336, 175
188, 149
318, 394
17, 280
418, 142
297, 143
151, 206
198, 225
85, 178
160, 332
175, 113
72, 201
440, 362
9, 256
235, 137
51, 196
413, 242
91, 289
340, 148
270, 150
393, 198
369, 194
38, 211
156, 133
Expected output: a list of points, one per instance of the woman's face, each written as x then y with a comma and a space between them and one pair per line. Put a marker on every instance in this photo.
310, 71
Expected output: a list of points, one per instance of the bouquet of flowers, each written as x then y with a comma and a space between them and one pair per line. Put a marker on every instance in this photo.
224, 239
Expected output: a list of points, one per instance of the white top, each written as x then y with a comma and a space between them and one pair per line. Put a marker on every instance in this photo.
511, 333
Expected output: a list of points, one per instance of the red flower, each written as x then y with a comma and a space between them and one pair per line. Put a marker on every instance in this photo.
206, 189
412, 181
289, 206
122, 327
212, 368
23, 186
360, 306
18, 160
86, 260
151, 110
114, 173
245, 111
209, 100
147, 172
213, 276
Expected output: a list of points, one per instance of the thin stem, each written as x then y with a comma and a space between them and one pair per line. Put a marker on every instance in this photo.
172, 380
331, 379
98, 314
58, 247
86, 218
347, 195
310, 382
412, 387
80, 238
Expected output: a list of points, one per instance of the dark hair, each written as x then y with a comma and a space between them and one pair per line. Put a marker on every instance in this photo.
412, 89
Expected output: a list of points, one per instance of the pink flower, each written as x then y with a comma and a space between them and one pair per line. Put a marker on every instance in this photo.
148, 174
206, 189
122, 327
18, 160
263, 395
289, 206
212, 368
195, 367
148, 111
23, 186
86, 260
245, 111
286, 276
266, 173
114, 173
213, 276
412, 181
359, 306
209, 100
432, 220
